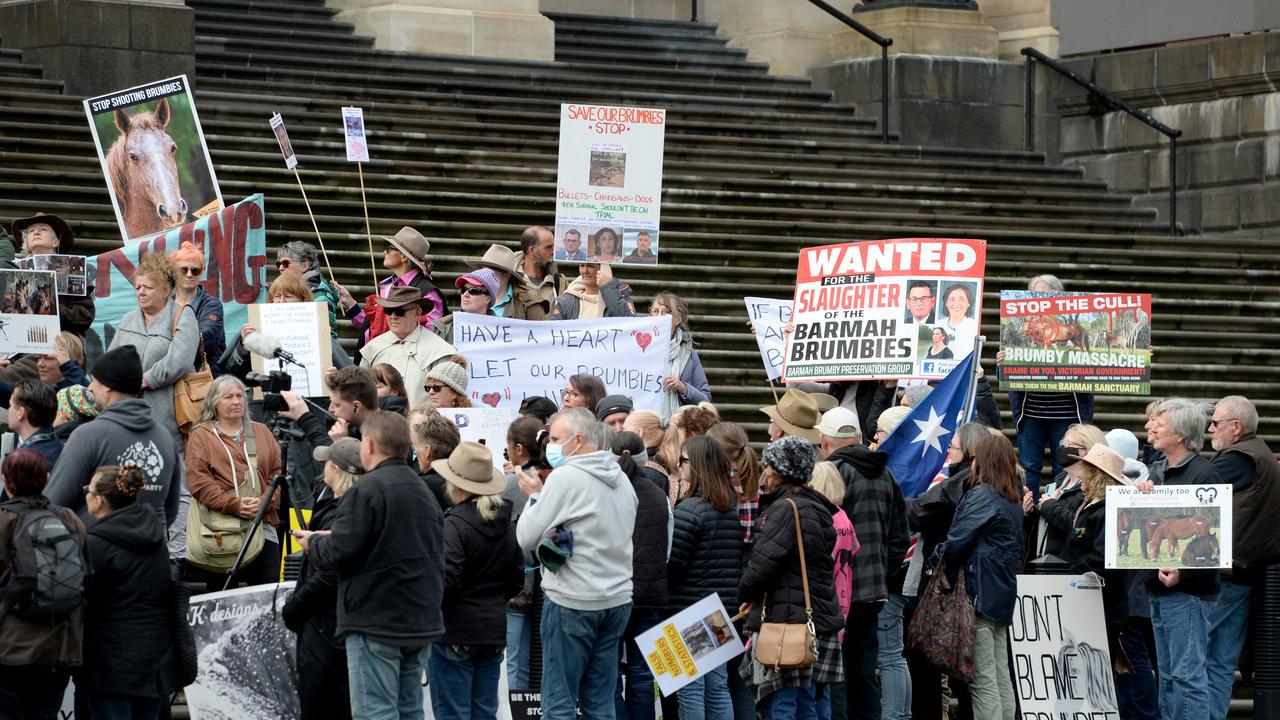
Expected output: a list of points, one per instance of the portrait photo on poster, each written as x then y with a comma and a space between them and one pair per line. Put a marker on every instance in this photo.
640, 246
571, 242
282, 139
604, 244
154, 156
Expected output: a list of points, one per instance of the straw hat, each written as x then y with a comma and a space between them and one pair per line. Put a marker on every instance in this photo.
412, 245
499, 257
1106, 460
470, 467
66, 238
797, 414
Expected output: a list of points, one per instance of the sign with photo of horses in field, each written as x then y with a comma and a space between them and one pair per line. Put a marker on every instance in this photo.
885, 309
1076, 342
1173, 526
28, 311
154, 156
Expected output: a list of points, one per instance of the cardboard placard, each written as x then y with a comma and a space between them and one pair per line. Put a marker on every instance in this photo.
769, 318
1177, 526
690, 643
282, 139
485, 425
28, 311
303, 330
70, 270
353, 134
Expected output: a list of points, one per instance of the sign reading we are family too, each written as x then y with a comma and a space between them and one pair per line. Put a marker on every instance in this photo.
903, 308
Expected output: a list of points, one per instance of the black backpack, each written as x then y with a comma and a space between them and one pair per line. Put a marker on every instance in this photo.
46, 565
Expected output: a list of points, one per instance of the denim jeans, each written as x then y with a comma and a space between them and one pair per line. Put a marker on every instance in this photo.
796, 703
1136, 691
707, 698
634, 699
519, 642
1181, 625
464, 681
386, 680
861, 650
992, 687
744, 699
1033, 435
580, 660
895, 678
1228, 621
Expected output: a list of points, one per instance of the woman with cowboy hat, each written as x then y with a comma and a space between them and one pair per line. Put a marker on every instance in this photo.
514, 298
43, 234
406, 256
483, 569
406, 345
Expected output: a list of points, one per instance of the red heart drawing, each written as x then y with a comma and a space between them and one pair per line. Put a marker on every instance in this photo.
643, 339
491, 399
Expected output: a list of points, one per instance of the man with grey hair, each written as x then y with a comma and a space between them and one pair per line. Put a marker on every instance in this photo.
1182, 600
1245, 461
300, 257
580, 528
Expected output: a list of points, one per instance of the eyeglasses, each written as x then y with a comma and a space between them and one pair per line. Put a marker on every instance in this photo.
192, 271
684, 460
569, 393
398, 312
473, 290
659, 311
388, 249
1212, 423
88, 490
282, 264
919, 298
432, 389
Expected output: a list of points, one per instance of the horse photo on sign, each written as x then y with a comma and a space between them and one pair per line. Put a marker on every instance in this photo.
1182, 526
154, 157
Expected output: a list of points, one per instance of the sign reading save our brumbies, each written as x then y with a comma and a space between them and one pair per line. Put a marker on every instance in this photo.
609, 184
1076, 342
903, 308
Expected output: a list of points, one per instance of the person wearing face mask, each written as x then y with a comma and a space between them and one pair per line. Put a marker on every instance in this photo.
1058, 508
589, 501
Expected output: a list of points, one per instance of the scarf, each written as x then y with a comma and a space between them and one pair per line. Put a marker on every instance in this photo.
678, 355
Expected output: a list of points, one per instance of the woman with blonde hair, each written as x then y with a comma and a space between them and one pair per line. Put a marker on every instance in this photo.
652, 430
1059, 508
289, 287
827, 481
687, 422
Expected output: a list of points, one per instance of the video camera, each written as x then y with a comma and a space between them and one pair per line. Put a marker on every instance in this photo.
272, 384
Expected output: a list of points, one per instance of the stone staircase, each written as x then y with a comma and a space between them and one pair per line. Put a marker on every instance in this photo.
756, 167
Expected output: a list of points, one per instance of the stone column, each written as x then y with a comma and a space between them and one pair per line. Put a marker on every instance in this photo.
484, 28
947, 28
1022, 23
97, 46
791, 36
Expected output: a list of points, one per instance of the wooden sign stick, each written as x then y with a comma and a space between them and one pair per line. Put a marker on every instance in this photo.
774, 388
373, 269
313, 224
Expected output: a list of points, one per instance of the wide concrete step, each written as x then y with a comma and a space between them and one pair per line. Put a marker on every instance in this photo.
659, 61
15, 69
268, 10
643, 27
223, 17
302, 40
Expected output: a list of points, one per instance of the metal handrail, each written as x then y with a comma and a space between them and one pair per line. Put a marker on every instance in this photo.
1035, 56
867, 33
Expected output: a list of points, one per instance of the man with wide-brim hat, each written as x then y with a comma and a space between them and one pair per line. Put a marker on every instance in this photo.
516, 297
407, 345
795, 414
407, 255
44, 234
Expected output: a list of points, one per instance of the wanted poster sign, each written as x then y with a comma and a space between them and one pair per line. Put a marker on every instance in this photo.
904, 308
609, 184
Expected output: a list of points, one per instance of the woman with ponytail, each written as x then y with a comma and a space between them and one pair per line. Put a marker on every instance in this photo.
127, 671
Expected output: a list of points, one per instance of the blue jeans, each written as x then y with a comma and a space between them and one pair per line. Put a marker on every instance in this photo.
580, 660
386, 680
519, 642
464, 681
707, 698
634, 699
1136, 691
110, 706
1181, 625
1033, 435
895, 678
795, 703
1228, 621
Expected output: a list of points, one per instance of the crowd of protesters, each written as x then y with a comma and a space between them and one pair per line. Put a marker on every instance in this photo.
422, 559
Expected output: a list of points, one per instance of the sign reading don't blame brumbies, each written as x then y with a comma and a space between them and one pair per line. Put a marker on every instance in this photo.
904, 308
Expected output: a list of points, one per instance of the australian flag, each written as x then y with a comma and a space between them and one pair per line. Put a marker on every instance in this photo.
918, 446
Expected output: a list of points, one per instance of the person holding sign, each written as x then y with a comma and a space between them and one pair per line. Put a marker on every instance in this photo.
406, 255
300, 258
208, 309
594, 293
476, 293
46, 235
406, 344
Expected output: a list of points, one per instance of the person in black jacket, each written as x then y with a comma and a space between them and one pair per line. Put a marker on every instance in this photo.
651, 541
483, 569
706, 557
1058, 510
386, 544
311, 610
773, 589
128, 666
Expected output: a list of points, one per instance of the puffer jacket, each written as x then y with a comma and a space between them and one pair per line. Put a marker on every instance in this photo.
706, 554
772, 575
650, 540
986, 540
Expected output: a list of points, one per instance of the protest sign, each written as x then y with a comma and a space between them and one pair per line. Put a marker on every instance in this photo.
234, 241
28, 311
302, 329
1076, 342
353, 132
248, 670
1061, 659
154, 157
609, 183
687, 645
1178, 526
69, 270
514, 359
485, 425
769, 320
885, 309
282, 139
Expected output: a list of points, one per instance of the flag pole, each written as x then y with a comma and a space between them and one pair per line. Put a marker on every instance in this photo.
373, 269
970, 398
313, 223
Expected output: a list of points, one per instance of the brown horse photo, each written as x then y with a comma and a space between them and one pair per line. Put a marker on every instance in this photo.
1048, 330
1126, 524
1173, 530
143, 164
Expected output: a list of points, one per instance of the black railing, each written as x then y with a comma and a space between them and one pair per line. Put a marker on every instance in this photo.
867, 33
1029, 107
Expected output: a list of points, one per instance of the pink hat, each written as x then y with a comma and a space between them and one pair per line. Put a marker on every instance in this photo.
485, 278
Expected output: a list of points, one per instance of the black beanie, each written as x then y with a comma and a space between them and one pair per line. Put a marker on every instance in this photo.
120, 369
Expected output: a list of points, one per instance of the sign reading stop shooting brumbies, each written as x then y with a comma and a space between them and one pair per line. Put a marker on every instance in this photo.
903, 308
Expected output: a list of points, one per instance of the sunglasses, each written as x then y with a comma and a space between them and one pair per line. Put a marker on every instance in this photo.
88, 491
388, 249
398, 312
192, 271
282, 264
437, 388
472, 290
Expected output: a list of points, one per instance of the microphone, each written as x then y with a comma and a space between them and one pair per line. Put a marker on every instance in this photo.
267, 347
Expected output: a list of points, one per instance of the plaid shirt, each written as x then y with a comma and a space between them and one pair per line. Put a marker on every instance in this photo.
879, 514
747, 509
827, 668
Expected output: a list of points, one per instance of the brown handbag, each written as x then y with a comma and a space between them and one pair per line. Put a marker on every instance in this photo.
788, 646
190, 391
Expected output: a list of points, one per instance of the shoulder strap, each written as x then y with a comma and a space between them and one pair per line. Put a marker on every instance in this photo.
201, 361
804, 570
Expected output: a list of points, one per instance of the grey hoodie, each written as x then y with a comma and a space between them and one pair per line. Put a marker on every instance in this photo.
124, 433
591, 497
